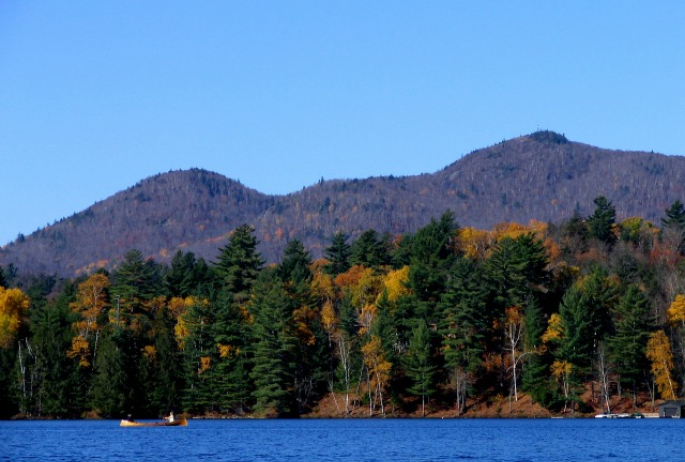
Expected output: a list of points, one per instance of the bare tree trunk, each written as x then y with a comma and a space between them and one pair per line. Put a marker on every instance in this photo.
335, 400
379, 392
603, 375
344, 352
368, 387
565, 387
460, 390
514, 333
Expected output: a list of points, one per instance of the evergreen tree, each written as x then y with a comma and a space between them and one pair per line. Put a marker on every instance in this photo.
465, 328
401, 255
135, 282
432, 256
57, 392
8, 405
114, 388
295, 265
311, 347
599, 295
239, 263
535, 380
338, 254
516, 270
230, 332
419, 365
601, 222
195, 335
369, 250
179, 280
674, 226
166, 384
578, 341
273, 369
632, 330
675, 216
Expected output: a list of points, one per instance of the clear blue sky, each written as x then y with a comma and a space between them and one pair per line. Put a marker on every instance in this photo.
97, 95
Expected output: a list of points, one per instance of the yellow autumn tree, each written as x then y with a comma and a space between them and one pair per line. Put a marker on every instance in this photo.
329, 320
659, 353
91, 302
474, 243
676, 312
185, 321
322, 287
303, 319
561, 371
342, 348
395, 283
366, 318
510, 230
80, 348
14, 305
676, 318
378, 372
555, 329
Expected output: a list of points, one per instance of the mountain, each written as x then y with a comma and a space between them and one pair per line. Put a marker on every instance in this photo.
541, 176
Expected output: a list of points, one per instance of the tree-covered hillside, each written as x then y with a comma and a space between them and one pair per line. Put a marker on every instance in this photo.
439, 318
542, 176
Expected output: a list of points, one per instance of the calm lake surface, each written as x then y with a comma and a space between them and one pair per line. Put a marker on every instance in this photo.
348, 440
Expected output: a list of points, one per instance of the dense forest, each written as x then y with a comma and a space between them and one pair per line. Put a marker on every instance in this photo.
437, 318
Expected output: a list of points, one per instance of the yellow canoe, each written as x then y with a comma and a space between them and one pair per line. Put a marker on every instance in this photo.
176, 423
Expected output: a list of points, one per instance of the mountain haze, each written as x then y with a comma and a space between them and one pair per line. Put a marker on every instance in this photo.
542, 176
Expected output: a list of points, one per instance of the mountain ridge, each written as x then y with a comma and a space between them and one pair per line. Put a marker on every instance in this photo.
541, 176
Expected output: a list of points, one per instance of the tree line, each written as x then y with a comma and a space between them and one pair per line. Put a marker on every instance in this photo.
440, 318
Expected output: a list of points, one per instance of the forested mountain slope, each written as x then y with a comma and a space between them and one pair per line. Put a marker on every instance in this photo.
541, 176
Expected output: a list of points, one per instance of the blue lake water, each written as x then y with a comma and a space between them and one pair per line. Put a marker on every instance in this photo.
507, 440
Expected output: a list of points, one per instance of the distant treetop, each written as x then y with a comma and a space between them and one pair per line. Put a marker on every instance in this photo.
547, 136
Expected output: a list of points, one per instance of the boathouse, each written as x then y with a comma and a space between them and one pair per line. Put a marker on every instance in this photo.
672, 409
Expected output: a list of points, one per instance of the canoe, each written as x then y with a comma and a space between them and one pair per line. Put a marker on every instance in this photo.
176, 423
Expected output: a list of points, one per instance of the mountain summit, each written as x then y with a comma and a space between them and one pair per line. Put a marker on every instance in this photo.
542, 176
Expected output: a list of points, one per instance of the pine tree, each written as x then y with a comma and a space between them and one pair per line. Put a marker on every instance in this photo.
167, 383
535, 379
464, 329
135, 282
632, 330
230, 332
57, 393
338, 254
114, 387
432, 256
674, 226
577, 324
239, 263
369, 250
273, 369
196, 341
179, 280
516, 270
420, 369
601, 222
675, 216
